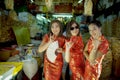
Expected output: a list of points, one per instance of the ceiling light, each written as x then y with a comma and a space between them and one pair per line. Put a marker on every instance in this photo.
31, 1
80, 1
62, 15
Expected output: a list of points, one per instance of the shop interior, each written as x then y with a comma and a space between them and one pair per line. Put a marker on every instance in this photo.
23, 23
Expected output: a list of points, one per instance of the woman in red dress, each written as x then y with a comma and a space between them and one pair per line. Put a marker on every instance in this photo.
53, 70
74, 50
95, 51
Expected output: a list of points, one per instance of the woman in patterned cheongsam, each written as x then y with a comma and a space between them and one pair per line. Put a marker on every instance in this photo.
74, 50
95, 50
53, 70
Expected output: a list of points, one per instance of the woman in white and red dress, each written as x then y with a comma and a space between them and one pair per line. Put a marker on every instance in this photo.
53, 70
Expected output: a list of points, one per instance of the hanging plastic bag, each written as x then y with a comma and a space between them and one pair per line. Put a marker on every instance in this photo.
30, 67
9, 4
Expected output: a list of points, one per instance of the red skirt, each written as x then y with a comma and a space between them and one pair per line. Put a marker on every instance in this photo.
52, 71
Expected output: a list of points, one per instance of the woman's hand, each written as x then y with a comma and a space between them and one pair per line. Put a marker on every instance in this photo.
96, 43
68, 45
59, 50
93, 62
52, 38
67, 51
98, 34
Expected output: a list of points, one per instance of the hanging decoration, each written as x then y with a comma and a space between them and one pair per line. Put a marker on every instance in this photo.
88, 6
9, 4
48, 4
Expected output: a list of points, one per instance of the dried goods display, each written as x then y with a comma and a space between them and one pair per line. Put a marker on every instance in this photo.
107, 66
8, 24
115, 46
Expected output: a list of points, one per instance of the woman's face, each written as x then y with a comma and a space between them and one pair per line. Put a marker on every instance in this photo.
55, 28
94, 31
74, 29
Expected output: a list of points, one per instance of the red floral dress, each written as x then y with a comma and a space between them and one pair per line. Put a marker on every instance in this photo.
93, 72
76, 58
52, 71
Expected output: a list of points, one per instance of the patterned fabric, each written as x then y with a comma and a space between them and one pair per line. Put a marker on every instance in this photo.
76, 58
93, 72
52, 71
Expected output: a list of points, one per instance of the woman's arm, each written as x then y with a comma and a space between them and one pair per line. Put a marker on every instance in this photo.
67, 51
86, 52
43, 46
67, 55
94, 54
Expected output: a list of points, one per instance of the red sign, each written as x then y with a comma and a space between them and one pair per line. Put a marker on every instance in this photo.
63, 8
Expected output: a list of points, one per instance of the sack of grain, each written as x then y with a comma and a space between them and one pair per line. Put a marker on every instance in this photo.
106, 66
115, 46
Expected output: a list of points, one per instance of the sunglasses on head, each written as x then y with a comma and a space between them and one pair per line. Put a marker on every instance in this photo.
72, 28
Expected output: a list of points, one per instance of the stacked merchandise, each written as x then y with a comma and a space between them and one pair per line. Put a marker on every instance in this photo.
116, 27
6, 33
5, 30
106, 66
107, 25
110, 25
9, 23
116, 56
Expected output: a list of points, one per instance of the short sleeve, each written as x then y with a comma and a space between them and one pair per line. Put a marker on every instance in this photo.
104, 47
46, 38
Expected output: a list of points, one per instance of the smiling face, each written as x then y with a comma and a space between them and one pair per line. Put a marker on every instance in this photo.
74, 29
94, 31
55, 28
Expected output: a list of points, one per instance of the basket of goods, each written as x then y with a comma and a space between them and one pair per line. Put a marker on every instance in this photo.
4, 54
